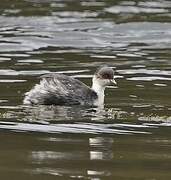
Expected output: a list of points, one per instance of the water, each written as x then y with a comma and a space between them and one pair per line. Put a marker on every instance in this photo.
130, 137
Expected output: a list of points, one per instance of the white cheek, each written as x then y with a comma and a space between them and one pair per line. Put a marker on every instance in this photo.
104, 82
108, 82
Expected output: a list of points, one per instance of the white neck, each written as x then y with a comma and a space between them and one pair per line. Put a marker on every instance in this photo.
99, 89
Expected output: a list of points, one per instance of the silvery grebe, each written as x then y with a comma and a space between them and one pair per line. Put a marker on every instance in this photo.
59, 89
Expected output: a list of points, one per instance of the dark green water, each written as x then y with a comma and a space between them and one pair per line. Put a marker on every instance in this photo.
131, 137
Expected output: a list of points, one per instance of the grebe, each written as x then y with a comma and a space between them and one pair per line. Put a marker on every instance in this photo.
59, 89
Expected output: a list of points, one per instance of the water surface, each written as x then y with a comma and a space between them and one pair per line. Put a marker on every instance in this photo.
130, 137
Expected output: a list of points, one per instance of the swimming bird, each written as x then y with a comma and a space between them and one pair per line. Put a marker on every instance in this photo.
60, 89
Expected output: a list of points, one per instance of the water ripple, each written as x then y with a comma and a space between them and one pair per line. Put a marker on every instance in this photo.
134, 9
149, 78
83, 128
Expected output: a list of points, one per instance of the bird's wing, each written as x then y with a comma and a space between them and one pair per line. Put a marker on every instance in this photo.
61, 89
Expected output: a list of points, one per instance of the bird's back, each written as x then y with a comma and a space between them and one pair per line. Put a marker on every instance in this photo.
59, 89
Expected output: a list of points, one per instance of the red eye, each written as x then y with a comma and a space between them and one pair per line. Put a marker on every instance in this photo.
106, 76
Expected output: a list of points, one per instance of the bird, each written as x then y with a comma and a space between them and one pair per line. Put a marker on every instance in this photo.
60, 89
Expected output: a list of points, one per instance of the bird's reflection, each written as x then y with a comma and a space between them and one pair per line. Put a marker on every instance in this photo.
84, 162
63, 113
103, 148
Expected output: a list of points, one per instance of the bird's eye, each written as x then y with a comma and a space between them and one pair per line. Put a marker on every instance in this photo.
106, 76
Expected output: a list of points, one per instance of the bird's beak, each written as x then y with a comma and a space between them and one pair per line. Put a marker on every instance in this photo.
113, 81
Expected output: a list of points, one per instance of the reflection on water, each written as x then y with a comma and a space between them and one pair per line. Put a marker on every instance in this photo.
130, 137
88, 157
61, 119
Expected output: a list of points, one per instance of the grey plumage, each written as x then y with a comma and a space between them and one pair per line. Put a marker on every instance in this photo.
59, 89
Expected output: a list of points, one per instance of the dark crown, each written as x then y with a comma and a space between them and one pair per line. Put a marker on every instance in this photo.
105, 72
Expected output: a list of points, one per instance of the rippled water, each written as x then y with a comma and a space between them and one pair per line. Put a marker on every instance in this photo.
130, 137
